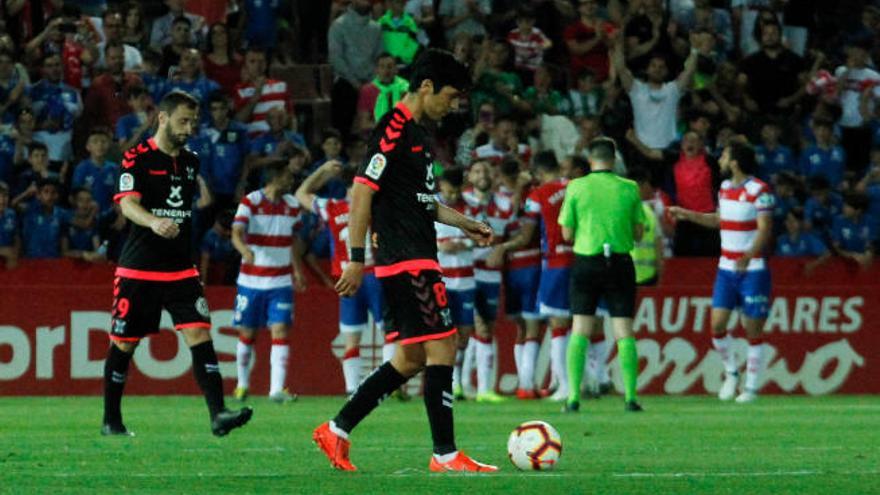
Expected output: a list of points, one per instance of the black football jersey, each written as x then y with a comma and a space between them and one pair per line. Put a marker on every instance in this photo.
166, 186
400, 169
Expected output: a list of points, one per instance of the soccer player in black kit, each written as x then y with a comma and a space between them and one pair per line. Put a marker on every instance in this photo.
155, 190
394, 193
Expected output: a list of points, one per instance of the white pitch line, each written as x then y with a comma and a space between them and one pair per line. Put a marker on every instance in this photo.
744, 474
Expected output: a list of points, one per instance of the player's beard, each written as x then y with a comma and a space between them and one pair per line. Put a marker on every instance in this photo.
177, 140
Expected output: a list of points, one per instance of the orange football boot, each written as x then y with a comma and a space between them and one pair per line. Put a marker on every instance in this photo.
461, 463
334, 447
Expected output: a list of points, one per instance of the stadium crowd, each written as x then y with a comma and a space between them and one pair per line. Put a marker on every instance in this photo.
671, 81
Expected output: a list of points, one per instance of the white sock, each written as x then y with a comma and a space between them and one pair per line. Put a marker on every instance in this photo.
243, 353
529, 358
467, 364
338, 431
517, 358
351, 369
754, 365
445, 457
456, 370
598, 356
558, 348
485, 360
278, 360
388, 352
723, 347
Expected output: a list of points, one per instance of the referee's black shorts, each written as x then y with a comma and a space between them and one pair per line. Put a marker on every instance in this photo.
594, 277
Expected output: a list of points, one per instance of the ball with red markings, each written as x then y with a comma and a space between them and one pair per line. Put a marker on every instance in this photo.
534, 446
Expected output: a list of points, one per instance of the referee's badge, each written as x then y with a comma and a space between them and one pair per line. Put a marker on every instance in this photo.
376, 166
126, 182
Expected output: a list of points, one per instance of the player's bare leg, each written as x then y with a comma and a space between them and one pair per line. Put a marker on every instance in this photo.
278, 359
115, 373
755, 360
244, 352
484, 332
723, 344
207, 373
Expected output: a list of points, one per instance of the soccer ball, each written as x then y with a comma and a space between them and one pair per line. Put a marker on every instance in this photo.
534, 446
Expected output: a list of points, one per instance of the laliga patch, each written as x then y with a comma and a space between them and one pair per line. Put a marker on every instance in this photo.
202, 307
376, 166
126, 182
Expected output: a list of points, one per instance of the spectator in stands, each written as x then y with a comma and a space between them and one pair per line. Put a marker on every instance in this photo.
135, 127
71, 37
331, 146
223, 146
786, 189
134, 31
824, 158
774, 77
528, 44
256, 94
589, 128
97, 174
7, 156
107, 99
798, 242
265, 148
853, 79
772, 156
114, 27
80, 239
647, 35
23, 135
822, 206
475, 136
355, 151
10, 241
852, 233
464, 16
260, 20
354, 43
542, 98
43, 222
712, 19
589, 40
654, 101
503, 143
12, 87
218, 257
190, 79
26, 185
180, 41
870, 186
56, 105
495, 84
163, 26
586, 98
380, 95
401, 35
222, 62
156, 84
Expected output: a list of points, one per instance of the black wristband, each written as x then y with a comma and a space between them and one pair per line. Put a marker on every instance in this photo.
357, 255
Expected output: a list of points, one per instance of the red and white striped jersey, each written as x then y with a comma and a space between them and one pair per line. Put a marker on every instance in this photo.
528, 49
497, 211
275, 95
530, 254
269, 233
543, 205
458, 267
495, 155
738, 210
335, 213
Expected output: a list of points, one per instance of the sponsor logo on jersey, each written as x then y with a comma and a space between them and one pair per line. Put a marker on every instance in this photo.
376, 166
126, 182
174, 200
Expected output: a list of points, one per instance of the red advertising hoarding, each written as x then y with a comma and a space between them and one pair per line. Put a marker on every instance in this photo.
822, 335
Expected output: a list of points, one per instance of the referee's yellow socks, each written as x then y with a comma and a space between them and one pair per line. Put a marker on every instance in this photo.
575, 359
628, 358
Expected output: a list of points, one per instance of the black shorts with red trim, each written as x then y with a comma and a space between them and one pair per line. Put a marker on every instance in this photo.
416, 307
138, 304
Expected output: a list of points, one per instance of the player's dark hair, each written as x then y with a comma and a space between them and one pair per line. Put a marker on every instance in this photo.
856, 200
640, 175
331, 133
441, 68
177, 98
744, 156
603, 149
546, 161
274, 169
36, 146
510, 167
818, 183
580, 163
454, 176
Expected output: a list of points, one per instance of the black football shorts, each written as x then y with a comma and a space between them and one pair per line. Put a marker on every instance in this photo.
595, 277
416, 308
137, 306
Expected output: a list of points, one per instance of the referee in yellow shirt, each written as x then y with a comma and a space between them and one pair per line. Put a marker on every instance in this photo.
603, 214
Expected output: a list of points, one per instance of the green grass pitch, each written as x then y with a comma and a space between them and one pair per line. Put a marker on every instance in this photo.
779, 445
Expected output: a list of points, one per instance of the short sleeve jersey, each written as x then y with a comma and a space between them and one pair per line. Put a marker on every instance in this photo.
543, 205
400, 171
166, 186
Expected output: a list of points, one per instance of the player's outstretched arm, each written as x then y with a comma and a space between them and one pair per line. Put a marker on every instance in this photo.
305, 194
132, 210
708, 220
478, 231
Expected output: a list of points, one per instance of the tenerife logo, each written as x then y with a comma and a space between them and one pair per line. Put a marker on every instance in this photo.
174, 200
